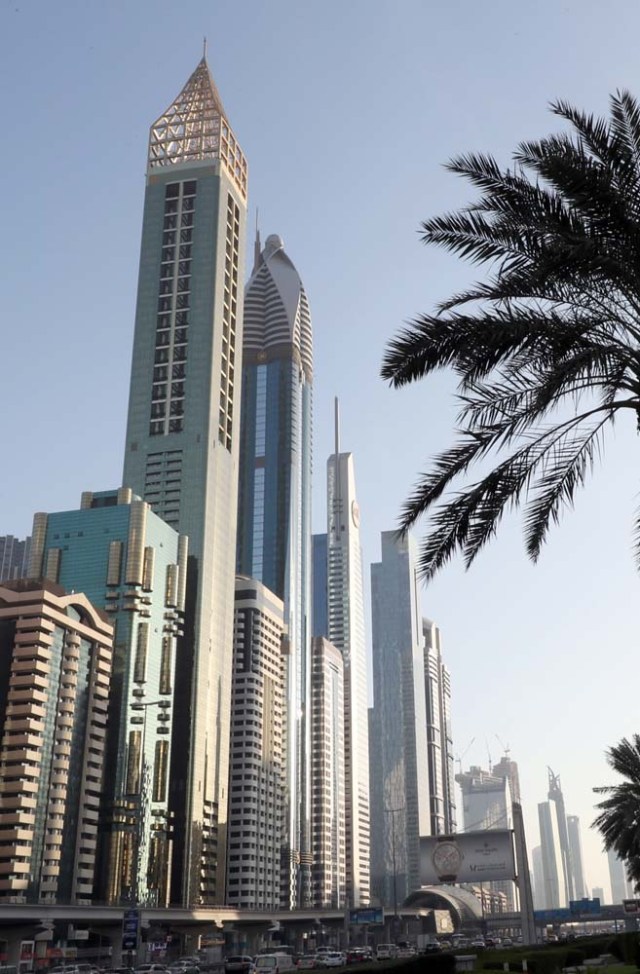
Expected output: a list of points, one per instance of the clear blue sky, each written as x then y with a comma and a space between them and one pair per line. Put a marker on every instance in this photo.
346, 110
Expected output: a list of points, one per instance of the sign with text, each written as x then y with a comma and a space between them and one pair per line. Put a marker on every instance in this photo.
130, 929
467, 857
371, 914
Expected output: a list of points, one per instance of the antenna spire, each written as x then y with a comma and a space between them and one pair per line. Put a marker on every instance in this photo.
204, 47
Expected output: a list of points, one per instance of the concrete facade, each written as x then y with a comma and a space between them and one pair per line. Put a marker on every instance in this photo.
55, 658
257, 781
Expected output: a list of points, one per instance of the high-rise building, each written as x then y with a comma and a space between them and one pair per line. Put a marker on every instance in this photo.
274, 508
345, 599
133, 565
539, 897
327, 775
439, 734
182, 440
320, 621
506, 768
575, 849
257, 763
14, 557
597, 893
621, 889
411, 765
487, 804
554, 889
55, 666
555, 795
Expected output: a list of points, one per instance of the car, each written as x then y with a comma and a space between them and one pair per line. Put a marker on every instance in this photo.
507, 942
478, 943
446, 944
406, 951
386, 951
358, 955
332, 958
307, 962
432, 947
239, 964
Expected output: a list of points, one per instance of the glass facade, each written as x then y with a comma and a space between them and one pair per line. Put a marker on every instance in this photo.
274, 509
133, 565
412, 784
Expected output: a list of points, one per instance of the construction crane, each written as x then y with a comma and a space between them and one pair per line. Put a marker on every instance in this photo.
505, 747
459, 757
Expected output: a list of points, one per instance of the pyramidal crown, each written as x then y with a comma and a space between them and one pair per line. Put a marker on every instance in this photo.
195, 127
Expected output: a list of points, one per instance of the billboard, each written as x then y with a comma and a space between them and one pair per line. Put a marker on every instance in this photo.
467, 857
371, 914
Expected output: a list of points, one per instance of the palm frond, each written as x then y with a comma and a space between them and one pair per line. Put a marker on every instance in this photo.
553, 327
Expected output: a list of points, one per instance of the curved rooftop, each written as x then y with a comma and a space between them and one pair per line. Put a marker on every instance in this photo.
276, 309
461, 903
195, 127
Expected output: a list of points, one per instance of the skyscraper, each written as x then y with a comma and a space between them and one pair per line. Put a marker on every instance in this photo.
14, 557
575, 850
55, 666
620, 886
412, 763
182, 438
327, 775
556, 796
554, 890
258, 772
437, 681
274, 509
487, 804
132, 565
345, 598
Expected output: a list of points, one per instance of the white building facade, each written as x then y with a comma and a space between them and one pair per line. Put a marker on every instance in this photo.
347, 633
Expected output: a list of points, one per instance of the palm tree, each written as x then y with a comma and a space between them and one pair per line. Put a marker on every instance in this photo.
547, 347
619, 818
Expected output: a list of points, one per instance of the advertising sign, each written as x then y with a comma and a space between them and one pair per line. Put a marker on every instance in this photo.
630, 906
371, 915
130, 928
467, 857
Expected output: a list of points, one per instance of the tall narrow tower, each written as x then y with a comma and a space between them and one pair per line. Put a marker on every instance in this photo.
182, 439
274, 512
345, 600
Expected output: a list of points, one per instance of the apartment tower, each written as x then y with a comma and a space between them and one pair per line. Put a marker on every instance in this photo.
327, 775
257, 805
55, 666
181, 452
133, 565
274, 509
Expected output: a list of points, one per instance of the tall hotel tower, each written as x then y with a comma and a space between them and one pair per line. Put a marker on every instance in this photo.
182, 439
274, 509
339, 615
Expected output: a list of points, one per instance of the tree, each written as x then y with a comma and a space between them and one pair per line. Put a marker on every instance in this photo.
619, 818
547, 347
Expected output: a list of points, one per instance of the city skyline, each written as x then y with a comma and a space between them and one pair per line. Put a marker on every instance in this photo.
490, 646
